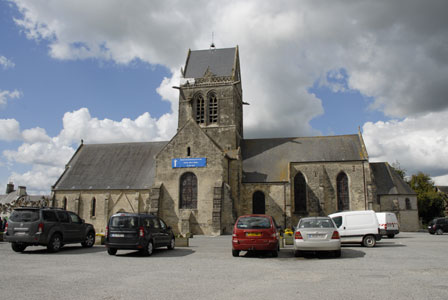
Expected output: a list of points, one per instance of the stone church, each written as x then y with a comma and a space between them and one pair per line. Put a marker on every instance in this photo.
208, 174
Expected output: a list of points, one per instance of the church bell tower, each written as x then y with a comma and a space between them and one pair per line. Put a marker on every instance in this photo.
211, 94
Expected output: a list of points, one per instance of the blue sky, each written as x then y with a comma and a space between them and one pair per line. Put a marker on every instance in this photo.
70, 71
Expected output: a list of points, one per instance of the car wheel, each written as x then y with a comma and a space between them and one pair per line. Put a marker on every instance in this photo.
337, 253
55, 243
369, 241
17, 247
298, 253
172, 244
235, 253
391, 236
149, 249
111, 251
274, 253
439, 231
89, 241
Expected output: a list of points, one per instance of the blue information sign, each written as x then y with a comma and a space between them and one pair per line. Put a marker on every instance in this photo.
199, 162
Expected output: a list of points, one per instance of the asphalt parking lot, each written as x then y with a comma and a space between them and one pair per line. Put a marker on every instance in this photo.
410, 266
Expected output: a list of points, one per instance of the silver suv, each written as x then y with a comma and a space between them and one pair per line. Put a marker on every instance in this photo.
51, 227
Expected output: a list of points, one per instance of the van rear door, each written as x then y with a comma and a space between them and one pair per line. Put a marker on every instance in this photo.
123, 230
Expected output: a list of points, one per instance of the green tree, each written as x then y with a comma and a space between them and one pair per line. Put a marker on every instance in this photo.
399, 170
430, 203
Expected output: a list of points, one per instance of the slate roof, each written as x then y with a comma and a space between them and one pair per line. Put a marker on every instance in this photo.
266, 160
8, 198
111, 166
388, 182
220, 62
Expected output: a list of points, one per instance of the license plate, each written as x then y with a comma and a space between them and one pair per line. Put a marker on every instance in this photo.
253, 234
20, 233
117, 235
316, 236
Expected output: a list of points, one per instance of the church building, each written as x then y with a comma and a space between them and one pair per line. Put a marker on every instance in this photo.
208, 174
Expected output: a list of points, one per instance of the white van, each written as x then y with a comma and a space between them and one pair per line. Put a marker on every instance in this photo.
388, 224
360, 226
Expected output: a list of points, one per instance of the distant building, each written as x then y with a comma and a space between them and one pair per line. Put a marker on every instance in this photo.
17, 198
395, 195
208, 174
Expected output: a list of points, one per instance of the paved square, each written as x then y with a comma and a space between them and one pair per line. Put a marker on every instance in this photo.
410, 266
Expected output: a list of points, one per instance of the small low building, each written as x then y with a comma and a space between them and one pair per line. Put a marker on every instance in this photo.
18, 198
393, 194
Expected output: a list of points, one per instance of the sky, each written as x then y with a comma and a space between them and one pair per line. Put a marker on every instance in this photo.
102, 72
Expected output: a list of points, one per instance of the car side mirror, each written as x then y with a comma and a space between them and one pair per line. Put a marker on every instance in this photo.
169, 227
83, 221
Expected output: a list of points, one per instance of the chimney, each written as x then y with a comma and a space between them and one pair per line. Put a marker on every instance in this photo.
9, 188
22, 190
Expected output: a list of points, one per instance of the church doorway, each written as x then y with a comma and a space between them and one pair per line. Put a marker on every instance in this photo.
258, 203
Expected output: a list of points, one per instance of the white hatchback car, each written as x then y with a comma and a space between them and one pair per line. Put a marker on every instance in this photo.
317, 234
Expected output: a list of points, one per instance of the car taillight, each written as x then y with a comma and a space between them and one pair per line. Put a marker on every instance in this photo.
107, 230
298, 236
40, 228
6, 227
385, 226
335, 235
141, 231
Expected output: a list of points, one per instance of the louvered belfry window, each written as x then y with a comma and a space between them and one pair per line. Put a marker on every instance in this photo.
343, 192
299, 193
200, 109
188, 191
212, 108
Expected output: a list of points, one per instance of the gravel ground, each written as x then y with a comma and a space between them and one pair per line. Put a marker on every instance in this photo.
410, 266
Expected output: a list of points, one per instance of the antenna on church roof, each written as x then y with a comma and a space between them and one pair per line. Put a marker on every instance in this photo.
212, 45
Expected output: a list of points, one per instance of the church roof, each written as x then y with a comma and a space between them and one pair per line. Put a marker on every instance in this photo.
220, 62
111, 166
388, 182
266, 160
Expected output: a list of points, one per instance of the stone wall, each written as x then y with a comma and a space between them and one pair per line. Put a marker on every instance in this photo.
108, 202
408, 218
197, 221
274, 199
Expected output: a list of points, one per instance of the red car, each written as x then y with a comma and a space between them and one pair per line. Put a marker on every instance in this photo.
255, 233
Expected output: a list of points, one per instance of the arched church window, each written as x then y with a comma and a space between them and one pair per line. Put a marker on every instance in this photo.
299, 193
200, 109
188, 191
258, 203
64, 203
93, 207
342, 192
212, 108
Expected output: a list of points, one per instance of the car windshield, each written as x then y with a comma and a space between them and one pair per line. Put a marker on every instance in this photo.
125, 222
25, 215
253, 223
315, 223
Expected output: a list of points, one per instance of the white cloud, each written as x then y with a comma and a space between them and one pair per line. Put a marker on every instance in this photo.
9, 130
38, 180
35, 135
417, 143
6, 63
285, 47
5, 95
